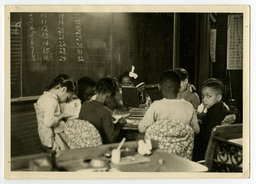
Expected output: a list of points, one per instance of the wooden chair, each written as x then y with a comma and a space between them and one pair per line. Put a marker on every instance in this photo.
221, 154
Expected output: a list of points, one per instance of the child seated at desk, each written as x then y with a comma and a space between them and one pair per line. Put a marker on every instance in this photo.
216, 111
170, 107
59, 91
171, 121
85, 89
187, 91
97, 114
127, 79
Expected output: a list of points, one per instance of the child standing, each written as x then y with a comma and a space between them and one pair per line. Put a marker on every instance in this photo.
187, 91
170, 107
212, 91
97, 114
59, 91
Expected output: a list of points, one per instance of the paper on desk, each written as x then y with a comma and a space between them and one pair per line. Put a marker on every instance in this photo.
116, 118
133, 160
72, 108
121, 113
132, 121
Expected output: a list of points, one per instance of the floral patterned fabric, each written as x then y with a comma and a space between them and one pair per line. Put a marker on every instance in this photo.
81, 134
174, 137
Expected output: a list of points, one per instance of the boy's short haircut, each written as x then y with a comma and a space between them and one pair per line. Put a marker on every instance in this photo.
83, 84
171, 77
106, 85
215, 84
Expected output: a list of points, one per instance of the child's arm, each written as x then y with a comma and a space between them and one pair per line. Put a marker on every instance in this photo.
195, 100
194, 123
50, 120
147, 120
111, 131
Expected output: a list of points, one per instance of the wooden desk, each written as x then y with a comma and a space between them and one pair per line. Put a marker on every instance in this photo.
159, 161
131, 132
238, 141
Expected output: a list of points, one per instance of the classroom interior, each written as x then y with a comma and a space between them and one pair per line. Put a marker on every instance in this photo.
43, 45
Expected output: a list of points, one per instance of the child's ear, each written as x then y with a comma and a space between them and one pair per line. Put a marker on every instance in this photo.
219, 97
186, 80
159, 87
178, 89
63, 89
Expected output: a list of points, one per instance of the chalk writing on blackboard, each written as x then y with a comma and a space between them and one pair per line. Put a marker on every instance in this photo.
79, 38
32, 34
45, 36
62, 44
15, 27
235, 42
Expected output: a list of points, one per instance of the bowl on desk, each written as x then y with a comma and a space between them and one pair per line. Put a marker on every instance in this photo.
40, 164
98, 163
123, 151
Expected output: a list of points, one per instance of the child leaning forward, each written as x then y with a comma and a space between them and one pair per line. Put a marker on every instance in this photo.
59, 91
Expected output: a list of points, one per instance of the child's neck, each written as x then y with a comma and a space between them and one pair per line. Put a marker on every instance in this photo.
170, 96
185, 89
53, 91
101, 98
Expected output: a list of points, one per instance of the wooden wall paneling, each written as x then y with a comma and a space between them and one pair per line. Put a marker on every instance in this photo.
24, 134
204, 46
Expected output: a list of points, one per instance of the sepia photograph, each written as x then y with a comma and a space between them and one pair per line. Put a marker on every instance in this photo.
127, 91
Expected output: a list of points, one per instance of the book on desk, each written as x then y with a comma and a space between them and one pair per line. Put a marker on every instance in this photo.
131, 94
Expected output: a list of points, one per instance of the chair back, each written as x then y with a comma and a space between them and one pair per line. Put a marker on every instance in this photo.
43, 131
81, 134
221, 154
173, 136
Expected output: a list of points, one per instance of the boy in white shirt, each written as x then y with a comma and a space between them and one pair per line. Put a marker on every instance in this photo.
170, 107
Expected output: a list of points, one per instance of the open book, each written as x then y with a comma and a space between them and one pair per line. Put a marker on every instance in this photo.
72, 108
130, 95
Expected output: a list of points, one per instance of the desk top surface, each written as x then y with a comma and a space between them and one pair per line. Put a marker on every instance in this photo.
237, 141
158, 161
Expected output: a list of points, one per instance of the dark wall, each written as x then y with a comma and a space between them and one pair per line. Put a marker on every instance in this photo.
188, 54
232, 79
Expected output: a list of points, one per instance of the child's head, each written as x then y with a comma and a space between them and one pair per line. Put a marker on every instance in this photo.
126, 80
106, 86
212, 90
85, 88
169, 83
64, 86
184, 77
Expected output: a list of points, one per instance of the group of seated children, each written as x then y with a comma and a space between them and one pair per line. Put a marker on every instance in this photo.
178, 107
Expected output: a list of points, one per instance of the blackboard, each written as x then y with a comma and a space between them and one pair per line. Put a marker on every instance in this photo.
77, 44
87, 44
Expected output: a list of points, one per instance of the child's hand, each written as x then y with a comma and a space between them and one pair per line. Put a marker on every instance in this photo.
142, 106
122, 121
65, 116
200, 116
